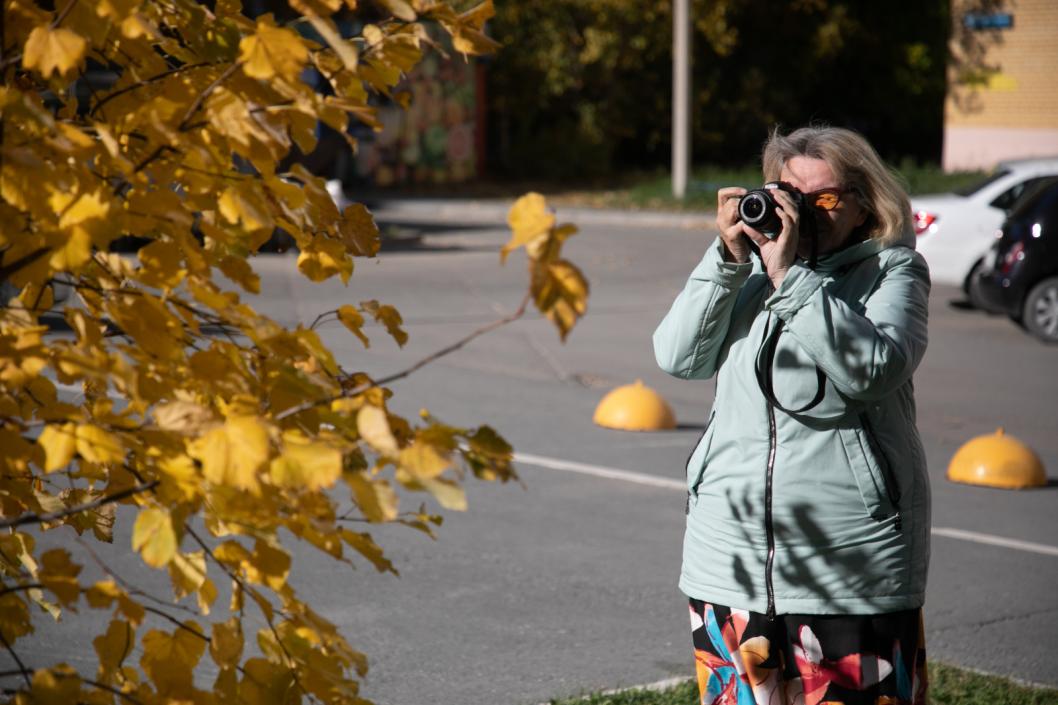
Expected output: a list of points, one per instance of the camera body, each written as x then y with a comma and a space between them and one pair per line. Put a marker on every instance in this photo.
757, 208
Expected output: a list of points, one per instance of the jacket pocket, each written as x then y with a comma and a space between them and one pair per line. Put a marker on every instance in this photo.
866, 467
892, 489
695, 465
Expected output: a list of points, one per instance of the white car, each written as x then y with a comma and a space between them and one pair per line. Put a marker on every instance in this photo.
956, 230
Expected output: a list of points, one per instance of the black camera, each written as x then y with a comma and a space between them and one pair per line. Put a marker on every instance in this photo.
757, 208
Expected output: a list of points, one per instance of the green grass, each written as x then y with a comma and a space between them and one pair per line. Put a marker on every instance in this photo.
949, 685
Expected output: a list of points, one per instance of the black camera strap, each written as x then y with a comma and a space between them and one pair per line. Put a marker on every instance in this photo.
765, 365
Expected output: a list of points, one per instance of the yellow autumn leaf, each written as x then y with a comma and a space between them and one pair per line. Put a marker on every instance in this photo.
352, 320
239, 271
373, 425
423, 461
184, 417
241, 204
529, 218
343, 48
376, 498
226, 645
389, 317
449, 494
85, 207
187, 572
400, 9
160, 265
71, 249
308, 465
560, 292
269, 565
170, 659
114, 646
321, 258
58, 685
359, 231
59, 575
272, 51
234, 453
98, 446
53, 50
59, 444
154, 537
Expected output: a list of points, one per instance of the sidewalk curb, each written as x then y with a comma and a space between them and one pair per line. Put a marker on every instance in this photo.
494, 212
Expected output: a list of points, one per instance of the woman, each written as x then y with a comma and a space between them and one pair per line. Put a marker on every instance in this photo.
808, 503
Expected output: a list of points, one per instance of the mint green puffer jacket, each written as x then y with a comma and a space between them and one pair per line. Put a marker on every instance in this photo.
825, 511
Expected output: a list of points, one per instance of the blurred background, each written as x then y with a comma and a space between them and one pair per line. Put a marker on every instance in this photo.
579, 99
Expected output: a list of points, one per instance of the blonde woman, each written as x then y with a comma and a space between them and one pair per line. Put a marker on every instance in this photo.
808, 503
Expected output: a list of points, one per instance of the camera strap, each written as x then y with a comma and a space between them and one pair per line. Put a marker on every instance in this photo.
765, 365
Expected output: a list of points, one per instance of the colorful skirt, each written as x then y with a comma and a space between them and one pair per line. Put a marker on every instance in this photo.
744, 658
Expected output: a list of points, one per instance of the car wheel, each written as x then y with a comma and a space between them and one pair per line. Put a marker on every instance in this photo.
1040, 313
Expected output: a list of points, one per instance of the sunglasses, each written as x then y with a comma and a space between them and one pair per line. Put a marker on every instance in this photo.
826, 199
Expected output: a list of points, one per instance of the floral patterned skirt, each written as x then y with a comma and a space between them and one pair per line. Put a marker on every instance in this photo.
744, 658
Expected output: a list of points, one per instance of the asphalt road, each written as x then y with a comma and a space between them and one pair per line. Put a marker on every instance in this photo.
567, 583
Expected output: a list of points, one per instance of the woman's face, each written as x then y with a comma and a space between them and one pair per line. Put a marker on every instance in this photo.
833, 227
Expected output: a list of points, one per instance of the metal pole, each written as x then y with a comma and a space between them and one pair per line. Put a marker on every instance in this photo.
681, 96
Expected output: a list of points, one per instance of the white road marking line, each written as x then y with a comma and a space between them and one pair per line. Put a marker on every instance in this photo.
650, 480
995, 540
599, 471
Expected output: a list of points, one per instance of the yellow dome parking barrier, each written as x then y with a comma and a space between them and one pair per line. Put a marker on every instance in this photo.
634, 407
997, 460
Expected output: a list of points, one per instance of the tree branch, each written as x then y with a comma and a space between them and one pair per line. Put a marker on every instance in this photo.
34, 518
19, 588
205, 94
306, 406
21, 666
291, 664
145, 82
24, 261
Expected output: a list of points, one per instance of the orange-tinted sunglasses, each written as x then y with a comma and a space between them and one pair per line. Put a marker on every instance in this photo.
826, 199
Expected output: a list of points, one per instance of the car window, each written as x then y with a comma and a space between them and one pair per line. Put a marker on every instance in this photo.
1040, 202
978, 185
1006, 200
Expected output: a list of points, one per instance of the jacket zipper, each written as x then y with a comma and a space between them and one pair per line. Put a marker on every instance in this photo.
888, 479
768, 529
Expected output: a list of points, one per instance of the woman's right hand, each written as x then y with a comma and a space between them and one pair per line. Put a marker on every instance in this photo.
736, 244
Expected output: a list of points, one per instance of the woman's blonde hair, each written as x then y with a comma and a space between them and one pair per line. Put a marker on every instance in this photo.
857, 167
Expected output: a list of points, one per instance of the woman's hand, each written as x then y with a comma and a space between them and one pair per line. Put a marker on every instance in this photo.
732, 230
778, 254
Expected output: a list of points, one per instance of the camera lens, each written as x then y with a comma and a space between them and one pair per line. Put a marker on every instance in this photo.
752, 207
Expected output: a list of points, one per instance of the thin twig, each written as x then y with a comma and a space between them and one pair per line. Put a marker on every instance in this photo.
34, 518
19, 588
306, 406
129, 587
62, 15
291, 664
21, 666
205, 94
145, 82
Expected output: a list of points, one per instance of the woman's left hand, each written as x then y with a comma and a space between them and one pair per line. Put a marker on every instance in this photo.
778, 254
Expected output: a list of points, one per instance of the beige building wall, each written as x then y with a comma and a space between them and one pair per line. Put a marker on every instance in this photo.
1016, 115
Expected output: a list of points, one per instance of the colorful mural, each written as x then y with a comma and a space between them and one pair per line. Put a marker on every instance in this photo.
434, 140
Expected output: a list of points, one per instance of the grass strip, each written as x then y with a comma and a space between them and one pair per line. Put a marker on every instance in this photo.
949, 685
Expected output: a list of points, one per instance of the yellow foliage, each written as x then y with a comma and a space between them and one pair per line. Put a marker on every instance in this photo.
224, 428
55, 50
234, 453
154, 537
272, 51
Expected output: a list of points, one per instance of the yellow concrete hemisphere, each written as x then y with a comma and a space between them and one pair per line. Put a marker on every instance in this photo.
997, 460
634, 407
